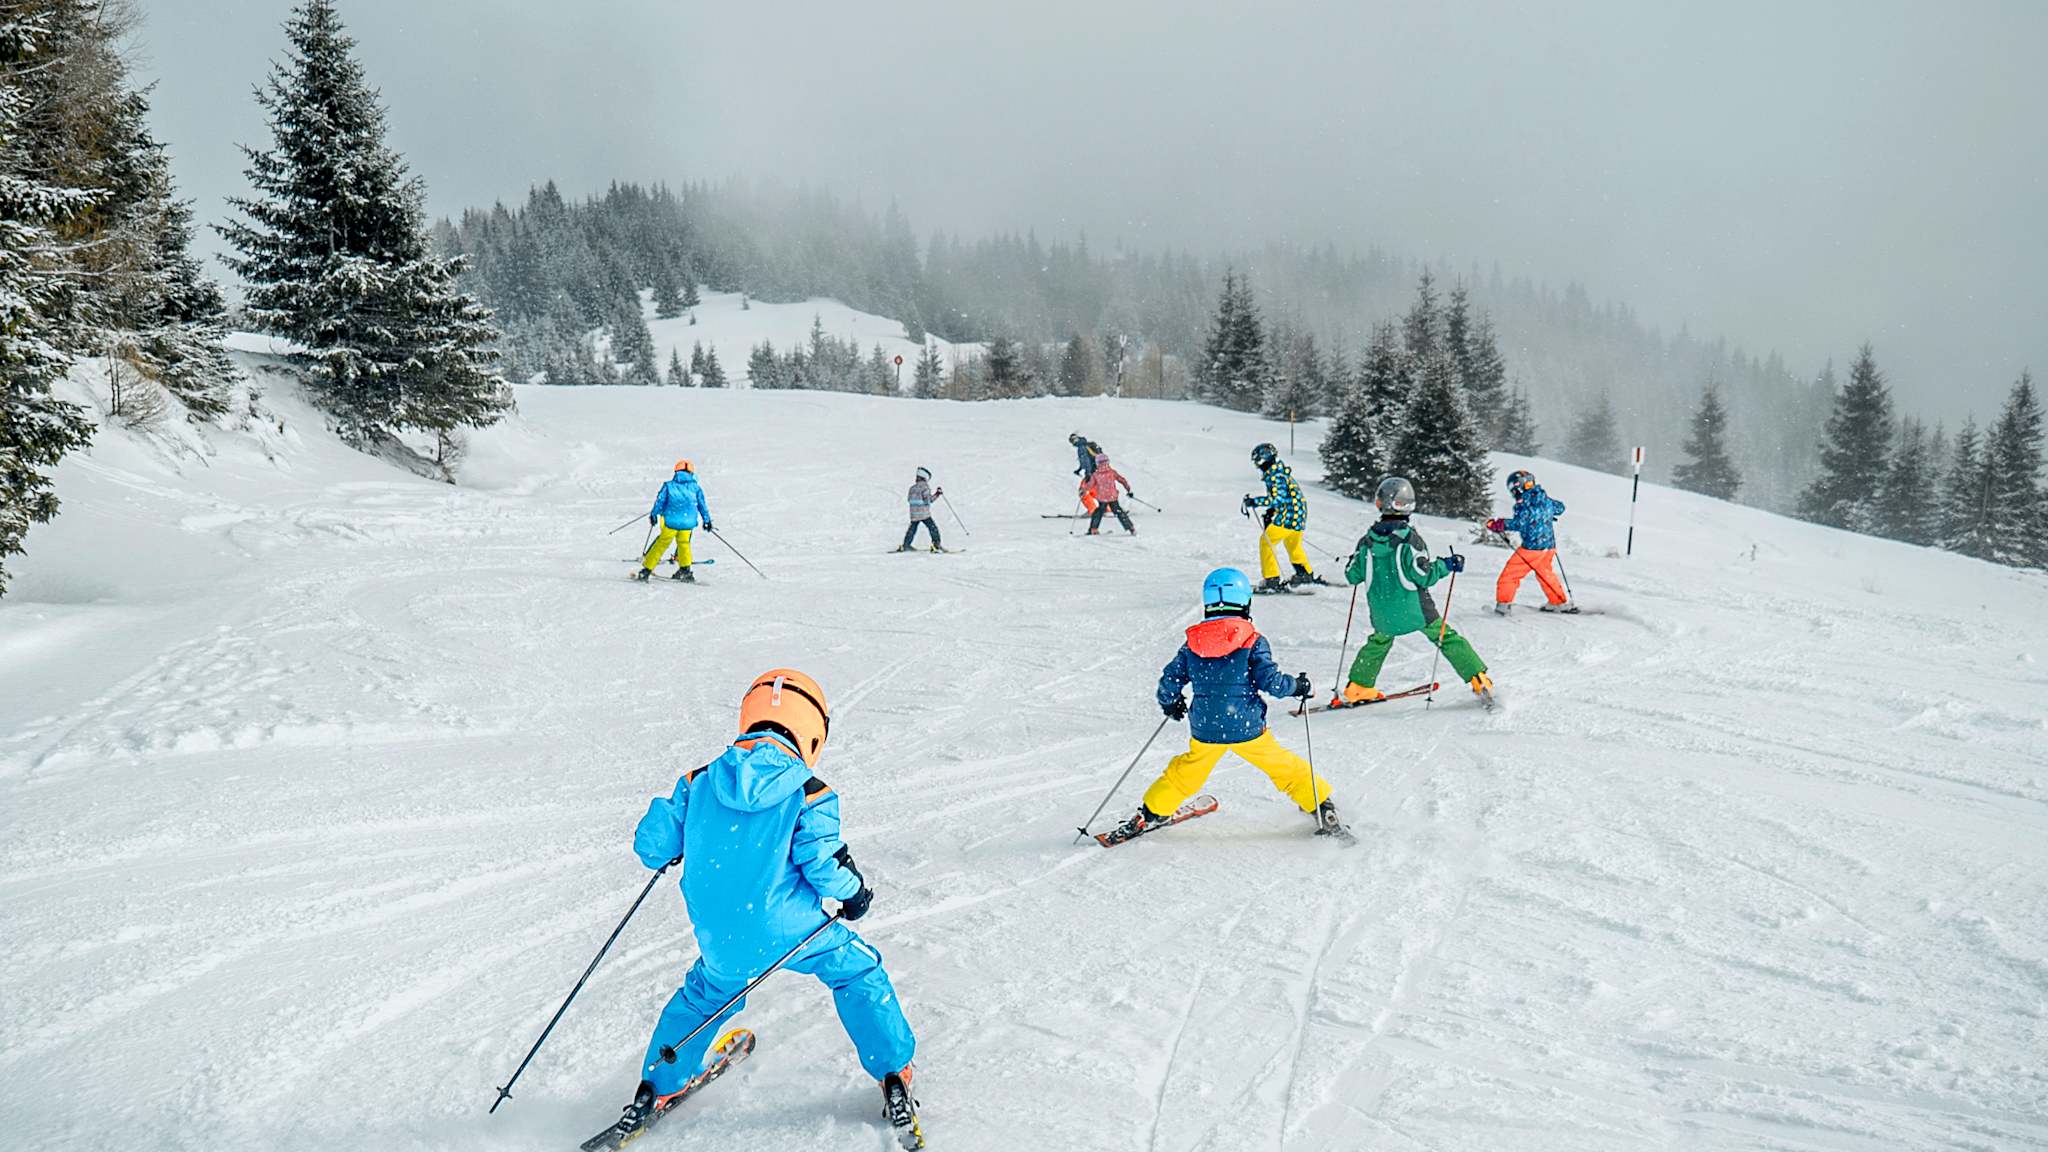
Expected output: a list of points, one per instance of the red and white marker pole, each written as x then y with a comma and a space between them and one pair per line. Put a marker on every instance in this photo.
1634, 488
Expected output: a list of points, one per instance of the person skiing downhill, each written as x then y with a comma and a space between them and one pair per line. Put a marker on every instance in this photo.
678, 507
1535, 511
1085, 451
1104, 481
759, 839
1393, 561
1284, 520
1229, 664
921, 496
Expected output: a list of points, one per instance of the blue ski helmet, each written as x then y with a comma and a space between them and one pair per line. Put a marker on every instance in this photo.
1226, 592
1520, 481
1264, 455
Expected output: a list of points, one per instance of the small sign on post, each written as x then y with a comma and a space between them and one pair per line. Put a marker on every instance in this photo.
899, 371
1635, 487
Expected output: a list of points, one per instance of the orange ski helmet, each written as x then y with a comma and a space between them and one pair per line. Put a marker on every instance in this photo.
684, 466
792, 702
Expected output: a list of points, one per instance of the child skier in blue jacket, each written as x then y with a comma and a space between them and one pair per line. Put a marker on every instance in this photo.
1534, 520
758, 836
678, 507
1229, 664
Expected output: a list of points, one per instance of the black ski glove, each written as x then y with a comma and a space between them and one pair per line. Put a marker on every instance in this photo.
707, 525
855, 906
1177, 710
650, 519
1301, 687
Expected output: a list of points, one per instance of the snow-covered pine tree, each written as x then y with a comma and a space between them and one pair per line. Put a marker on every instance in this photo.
764, 368
1295, 389
633, 343
1485, 375
1005, 373
1073, 373
1422, 329
2016, 531
690, 297
334, 248
1966, 495
1338, 382
930, 381
1387, 380
1856, 453
1439, 450
668, 291
1593, 442
677, 376
1708, 469
453, 381
880, 375
36, 429
1354, 455
1235, 367
1518, 427
1911, 508
714, 372
184, 341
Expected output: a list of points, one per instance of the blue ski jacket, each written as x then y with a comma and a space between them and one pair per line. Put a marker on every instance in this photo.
1534, 511
757, 834
1229, 664
680, 503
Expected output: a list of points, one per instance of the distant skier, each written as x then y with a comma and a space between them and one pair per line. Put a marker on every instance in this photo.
1085, 451
1285, 518
921, 496
678, 508
759, 839
1229, 664
1103, 481
1534, 513
1394, 559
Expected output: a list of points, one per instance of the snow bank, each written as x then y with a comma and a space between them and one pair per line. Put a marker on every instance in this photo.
317, 783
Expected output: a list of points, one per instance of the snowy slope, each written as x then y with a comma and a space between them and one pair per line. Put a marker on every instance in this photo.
735, 331
317, 784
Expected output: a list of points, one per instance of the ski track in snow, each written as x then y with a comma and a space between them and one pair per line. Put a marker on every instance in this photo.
310, 831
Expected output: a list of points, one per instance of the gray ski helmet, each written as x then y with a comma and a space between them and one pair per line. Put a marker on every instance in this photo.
1396, 495
1264, 455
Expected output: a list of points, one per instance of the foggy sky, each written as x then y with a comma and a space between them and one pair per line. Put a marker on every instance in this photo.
1798, 176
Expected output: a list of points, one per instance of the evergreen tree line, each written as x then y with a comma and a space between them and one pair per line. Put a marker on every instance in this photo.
95, 258
1980, 494
1428, 398
828, 364
556, 271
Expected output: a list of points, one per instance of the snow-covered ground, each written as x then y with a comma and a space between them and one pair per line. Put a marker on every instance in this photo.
317, 783
734, 326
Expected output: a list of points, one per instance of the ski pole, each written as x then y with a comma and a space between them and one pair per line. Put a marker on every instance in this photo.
668, 1051
623, 527
1337, 685
1443, 629
956, 514
505, 1093
736, 552
1079, 505
1308, 744
649, 540
1083, 829
1564, 576
1146, 503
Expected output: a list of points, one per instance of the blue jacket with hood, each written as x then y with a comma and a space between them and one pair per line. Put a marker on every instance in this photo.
757, 833
1534, 511
1229, 664
680, 503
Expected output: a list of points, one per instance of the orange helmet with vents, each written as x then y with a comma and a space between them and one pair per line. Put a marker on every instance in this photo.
792, 702
684, 466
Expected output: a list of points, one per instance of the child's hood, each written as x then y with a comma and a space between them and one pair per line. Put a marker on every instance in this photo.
757, 772
1221, 636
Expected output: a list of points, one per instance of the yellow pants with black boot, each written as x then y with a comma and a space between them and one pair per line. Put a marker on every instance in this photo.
1187, 772
1288, 539
680, 537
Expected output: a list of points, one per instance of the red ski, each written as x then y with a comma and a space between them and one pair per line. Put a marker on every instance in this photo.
1418, 690
1199, 806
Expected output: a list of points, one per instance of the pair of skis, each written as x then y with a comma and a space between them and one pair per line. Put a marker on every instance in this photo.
1202, 806
732, 1048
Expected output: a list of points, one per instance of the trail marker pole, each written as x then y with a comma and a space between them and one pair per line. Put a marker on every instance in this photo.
1634, 488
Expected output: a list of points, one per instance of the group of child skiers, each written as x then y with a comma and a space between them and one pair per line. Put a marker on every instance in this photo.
764, 830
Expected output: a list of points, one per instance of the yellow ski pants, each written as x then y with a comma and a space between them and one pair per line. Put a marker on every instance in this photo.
1187, 772
1288, 538
680, 537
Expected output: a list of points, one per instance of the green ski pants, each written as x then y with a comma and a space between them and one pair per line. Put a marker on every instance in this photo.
1365, 669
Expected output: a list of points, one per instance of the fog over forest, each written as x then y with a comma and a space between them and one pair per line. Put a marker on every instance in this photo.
1794, 178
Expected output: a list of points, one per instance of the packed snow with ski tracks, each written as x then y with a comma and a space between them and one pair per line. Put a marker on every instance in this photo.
318, 781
